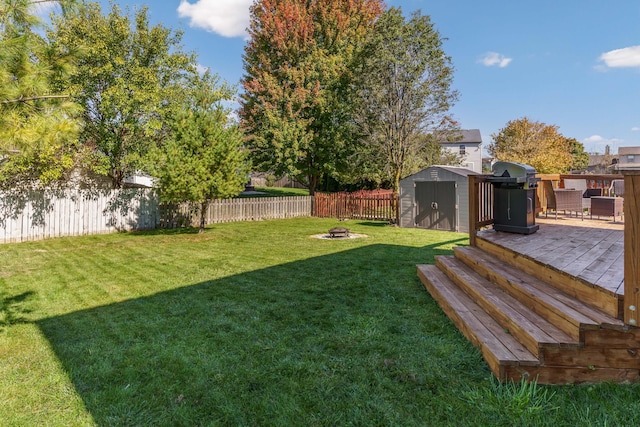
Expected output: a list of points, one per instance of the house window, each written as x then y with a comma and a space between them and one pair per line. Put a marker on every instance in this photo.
463, 150
630, 158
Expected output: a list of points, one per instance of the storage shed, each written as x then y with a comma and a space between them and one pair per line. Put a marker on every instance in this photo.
436, 198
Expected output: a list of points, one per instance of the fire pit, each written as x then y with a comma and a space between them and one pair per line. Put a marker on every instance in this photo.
338, 232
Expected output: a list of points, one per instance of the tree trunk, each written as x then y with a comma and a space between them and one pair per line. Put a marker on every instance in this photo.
117, 179
396, 196
313, 184
203, 214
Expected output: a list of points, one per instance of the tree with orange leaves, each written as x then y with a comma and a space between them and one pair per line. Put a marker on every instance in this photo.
297, 105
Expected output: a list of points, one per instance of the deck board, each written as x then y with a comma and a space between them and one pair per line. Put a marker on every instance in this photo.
591, 250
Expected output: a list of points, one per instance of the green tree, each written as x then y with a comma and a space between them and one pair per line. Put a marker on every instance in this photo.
533, 143
369, 166
203, 158
129, 75
405, 95
38, 129
580, 157
297, 103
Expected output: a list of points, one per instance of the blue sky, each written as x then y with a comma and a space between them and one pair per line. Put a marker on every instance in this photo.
571, 63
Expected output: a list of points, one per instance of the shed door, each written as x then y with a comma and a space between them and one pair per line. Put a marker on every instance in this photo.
436, 205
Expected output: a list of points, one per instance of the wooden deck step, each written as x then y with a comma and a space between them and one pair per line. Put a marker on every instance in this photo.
574, 287
529, 328
571, 315
509, 359
499, 348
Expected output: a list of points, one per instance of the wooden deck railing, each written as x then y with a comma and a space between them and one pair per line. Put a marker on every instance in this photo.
481, 215
480, 205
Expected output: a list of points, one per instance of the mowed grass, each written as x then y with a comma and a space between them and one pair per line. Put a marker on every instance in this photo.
254, 324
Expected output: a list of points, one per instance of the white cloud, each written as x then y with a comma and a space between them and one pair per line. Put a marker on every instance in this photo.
635, 129
494, 58
229, 18
621, 58
597, 143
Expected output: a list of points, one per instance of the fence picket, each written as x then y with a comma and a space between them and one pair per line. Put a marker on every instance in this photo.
371, 205
45, 214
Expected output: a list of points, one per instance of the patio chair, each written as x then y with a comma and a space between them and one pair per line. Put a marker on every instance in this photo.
581, 184
566, 200
617, 188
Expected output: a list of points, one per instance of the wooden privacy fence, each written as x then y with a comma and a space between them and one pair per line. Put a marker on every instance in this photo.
230, 210
36, 215
372, 205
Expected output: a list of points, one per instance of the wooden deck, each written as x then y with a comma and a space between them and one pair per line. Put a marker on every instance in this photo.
591, 250
545, 306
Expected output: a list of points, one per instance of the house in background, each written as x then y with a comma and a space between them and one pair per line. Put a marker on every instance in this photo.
602, 164
628, 158
469, 146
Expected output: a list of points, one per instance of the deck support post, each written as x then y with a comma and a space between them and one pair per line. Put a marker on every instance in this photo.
632, 247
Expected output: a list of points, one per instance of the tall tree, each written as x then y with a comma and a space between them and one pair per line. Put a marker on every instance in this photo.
405, 94
299, 63
203, 158
580, 157
38, 130
533, 143
128, 74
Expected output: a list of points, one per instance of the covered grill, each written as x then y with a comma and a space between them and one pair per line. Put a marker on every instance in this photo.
514, 197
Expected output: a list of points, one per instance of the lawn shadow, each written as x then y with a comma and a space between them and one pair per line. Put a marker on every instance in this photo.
278, 345
12, 308
373, 223
166, 231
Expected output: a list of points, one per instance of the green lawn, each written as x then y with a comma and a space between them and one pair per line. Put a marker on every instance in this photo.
254, 324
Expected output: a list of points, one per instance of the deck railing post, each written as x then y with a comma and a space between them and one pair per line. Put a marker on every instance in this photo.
474, 209
632, 247
480, 205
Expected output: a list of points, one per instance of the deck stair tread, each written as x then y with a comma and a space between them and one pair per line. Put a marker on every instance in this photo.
601, 296
498, 347
531, 324
528, 327
564, 308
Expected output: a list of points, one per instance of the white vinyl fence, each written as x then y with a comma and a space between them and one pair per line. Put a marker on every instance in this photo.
36, 215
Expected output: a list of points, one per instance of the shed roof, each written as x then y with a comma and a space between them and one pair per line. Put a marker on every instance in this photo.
453, 169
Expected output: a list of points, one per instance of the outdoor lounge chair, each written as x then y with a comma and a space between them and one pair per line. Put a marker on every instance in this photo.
566, 200
581, 184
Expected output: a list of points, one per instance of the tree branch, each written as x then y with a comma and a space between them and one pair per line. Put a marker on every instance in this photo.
33, 98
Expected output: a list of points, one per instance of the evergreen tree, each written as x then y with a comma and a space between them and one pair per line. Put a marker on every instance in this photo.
38, 126
203, 158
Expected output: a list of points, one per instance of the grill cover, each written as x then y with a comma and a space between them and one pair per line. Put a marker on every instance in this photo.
514, 173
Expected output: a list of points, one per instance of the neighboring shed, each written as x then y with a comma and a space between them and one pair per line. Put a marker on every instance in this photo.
436, 198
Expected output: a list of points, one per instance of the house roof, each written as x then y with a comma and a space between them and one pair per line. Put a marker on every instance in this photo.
465, 136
